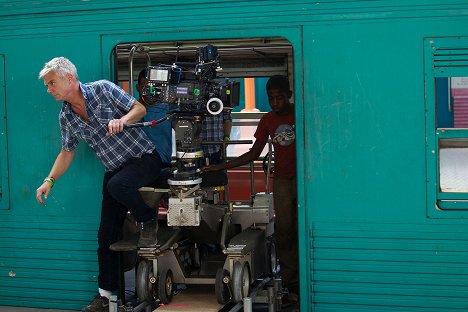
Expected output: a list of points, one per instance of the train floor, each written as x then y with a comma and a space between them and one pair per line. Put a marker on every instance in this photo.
191, 299
202, 298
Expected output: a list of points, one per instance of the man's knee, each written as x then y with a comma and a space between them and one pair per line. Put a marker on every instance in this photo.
118, 187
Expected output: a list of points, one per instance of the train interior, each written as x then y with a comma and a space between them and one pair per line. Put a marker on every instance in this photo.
218, 233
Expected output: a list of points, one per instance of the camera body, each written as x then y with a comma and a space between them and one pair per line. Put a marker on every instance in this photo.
192, 87
193, 93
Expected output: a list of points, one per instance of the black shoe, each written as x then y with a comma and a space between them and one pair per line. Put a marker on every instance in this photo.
148, 231
99, 304
128, 244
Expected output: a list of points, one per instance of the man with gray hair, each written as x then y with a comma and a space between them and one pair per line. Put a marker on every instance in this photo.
96, 112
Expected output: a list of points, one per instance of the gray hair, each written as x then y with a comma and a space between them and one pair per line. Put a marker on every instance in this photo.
61, 66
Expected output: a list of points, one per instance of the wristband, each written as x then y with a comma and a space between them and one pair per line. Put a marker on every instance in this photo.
227, 138
51, 180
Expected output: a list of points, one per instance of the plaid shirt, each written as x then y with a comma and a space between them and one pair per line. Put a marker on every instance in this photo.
213, 130
104, 101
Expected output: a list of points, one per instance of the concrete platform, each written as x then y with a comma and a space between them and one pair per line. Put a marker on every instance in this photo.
20, 309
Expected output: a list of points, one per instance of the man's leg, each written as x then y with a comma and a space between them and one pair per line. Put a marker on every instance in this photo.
124, 185
113, 215
135, 173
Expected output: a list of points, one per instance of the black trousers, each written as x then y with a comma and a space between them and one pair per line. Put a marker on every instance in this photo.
119, 195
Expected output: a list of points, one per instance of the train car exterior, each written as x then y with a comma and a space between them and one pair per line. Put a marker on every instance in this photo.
381, 227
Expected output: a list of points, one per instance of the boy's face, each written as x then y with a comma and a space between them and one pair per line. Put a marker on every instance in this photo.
279, 100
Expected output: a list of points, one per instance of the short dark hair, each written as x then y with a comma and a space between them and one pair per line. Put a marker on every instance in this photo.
278, 82
141, 75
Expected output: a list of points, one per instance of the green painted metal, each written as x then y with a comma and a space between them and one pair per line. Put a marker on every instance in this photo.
4, 186
370, 237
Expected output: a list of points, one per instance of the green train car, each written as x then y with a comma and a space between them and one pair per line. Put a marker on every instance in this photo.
380, 89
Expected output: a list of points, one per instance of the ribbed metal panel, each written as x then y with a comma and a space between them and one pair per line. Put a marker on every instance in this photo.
389, 267
47, 264
188, 14
451, 57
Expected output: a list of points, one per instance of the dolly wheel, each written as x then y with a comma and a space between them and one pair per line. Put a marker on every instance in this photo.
222, 292
274, 266
166, 286
240, 280
145, 282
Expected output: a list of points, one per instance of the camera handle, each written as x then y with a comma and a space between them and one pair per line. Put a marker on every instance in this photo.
151, 123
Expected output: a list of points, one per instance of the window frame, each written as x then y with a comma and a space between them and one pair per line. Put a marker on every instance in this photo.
441, 61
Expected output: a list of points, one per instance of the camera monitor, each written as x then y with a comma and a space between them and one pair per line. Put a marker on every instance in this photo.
158, 74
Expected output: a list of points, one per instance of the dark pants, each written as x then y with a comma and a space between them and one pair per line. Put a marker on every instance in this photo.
285, 203
119, 195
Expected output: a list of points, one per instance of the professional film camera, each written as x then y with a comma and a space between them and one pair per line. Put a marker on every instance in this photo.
192, 88
193, 93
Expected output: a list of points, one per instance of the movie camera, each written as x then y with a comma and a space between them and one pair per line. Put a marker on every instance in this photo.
193, 93
192, 88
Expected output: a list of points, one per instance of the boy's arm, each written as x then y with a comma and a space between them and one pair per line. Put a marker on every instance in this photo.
243, 159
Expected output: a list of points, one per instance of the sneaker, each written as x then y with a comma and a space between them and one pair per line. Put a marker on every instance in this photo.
99, 304
148, 231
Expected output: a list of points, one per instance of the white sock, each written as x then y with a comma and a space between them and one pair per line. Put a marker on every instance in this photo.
105, 293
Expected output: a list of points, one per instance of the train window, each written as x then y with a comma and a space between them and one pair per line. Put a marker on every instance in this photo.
451, 102
447, 126
452, 113
247, 61
453, 165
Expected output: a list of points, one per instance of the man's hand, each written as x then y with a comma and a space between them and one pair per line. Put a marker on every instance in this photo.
44, 189
115, 126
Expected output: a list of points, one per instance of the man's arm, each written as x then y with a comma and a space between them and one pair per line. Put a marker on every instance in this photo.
243, 159
135, 114
61, 165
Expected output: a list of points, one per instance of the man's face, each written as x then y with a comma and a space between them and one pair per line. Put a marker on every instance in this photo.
143, 82
279, 100
57, 86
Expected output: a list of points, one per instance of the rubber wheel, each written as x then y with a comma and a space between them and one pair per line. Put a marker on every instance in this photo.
166, 286
240, 280
145, 282
222, 289
274, 266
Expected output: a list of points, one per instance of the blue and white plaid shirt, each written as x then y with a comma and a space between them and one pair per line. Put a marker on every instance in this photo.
213, 130
104, 101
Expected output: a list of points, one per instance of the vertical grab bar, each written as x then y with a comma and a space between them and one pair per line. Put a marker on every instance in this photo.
268, 173
141, 49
